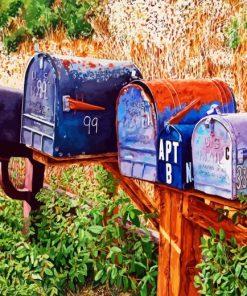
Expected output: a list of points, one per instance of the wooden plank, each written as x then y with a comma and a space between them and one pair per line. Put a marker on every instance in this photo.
203, 215
140, 199
157, 194
82, 159
176, 237
188, 257
219, 200
235, 204
165, 244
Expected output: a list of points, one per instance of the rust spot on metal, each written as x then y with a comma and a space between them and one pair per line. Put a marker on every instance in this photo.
178, 93
92, 65
111, 65
66, 64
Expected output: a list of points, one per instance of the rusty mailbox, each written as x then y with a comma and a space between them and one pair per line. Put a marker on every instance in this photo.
145, 107
69, 104
10, 115
219, 150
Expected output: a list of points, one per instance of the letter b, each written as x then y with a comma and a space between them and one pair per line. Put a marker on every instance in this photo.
168, 173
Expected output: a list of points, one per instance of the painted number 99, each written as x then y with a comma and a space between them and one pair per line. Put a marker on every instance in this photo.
91, 124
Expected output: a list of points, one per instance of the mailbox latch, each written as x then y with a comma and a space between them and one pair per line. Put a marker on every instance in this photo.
72, 104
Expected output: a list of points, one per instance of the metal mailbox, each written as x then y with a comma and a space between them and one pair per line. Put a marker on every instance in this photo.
145, 107
10, 115
69, 104
174, 164
219, 151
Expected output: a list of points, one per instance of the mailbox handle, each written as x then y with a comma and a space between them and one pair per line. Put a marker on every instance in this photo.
72, 104
180, 115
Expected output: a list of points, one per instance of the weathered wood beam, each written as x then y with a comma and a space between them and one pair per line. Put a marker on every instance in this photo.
203, 215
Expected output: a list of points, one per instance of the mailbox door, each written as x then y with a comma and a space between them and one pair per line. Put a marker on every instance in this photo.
170, 157
40, 94
136, 134
90, 131
174, 156
213, 154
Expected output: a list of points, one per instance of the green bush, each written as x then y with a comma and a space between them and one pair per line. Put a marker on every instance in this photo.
73, 240
233, 32
15, 8
12, 41
223, 268
41, 15
76, 25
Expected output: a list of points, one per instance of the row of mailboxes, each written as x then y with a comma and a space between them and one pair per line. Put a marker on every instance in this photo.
155, 120
75, 106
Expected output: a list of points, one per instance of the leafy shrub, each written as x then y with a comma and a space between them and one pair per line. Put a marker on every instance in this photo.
75, 24
223, 268
235, 31
40, 16
12, 41
15, 8
74, 239
3, 19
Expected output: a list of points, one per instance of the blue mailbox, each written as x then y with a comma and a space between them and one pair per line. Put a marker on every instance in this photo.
69, 104
10, 115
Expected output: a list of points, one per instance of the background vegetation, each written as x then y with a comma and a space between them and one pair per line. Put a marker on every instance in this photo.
76, 240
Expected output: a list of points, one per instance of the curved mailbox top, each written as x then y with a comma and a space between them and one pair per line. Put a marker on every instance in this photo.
69, 103
144, 107
172, 96
219, 150
10, 114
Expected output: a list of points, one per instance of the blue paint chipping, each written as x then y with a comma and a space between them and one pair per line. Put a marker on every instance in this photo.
49, 125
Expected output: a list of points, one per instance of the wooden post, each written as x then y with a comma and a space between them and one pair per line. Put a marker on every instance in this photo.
171, 202
165, 244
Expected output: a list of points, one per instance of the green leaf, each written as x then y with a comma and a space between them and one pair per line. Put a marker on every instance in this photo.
216, 277
235, 218
212, 232
144, 290
99, 275
72, 286
238, 270
222, 234
114, 272
126, 283
233, 242
115, 250
36, 276
81, 235
48, 272
119, 281
97, 229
